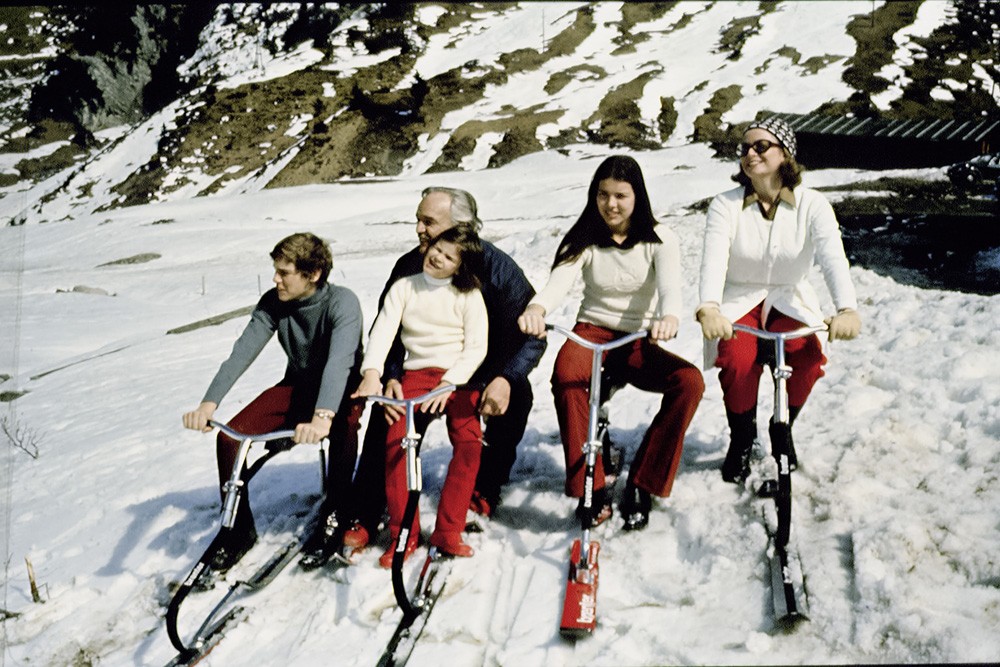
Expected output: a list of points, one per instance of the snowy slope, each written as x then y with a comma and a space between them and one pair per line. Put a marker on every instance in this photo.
896, 496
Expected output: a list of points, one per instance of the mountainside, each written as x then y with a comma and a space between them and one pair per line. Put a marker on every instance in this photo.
233, 98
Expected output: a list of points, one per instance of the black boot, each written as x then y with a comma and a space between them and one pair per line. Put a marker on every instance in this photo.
323, 544
742, 433
235, 545
635, 506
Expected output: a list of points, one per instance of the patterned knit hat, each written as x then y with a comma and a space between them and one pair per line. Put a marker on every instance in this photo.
780, 129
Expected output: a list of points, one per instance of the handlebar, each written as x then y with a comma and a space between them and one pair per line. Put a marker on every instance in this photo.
583, 342
779, 335
260, 437
415, 400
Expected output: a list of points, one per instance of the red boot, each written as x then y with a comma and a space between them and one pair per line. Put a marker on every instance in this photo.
385, 560
451, 544
356, 536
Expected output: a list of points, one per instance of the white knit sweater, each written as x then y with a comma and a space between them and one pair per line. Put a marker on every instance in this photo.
441, 328
624, 290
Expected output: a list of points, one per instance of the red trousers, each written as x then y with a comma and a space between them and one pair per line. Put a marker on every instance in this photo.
645, 366
278, 408
466, 438
740, 369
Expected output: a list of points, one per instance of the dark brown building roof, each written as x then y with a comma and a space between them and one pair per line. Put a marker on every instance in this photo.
932, 129
883, 143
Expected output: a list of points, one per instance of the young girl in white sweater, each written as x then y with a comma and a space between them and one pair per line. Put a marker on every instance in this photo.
441, 319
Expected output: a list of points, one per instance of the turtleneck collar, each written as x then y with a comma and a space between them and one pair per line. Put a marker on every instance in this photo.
436, 282
311, 299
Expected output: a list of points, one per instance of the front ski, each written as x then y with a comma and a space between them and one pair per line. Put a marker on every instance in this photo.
430, 585
212, 627
202, 574
579, 615
209, 639
788, 585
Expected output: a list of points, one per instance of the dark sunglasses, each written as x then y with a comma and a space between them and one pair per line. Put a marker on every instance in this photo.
759, 147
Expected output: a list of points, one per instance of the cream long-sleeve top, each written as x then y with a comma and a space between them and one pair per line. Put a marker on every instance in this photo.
440, 327
624, 288
749, 259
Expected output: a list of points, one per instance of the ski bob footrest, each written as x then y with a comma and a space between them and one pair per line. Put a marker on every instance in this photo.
579, 616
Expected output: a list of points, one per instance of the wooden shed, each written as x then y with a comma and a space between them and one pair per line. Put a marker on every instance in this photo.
880, 143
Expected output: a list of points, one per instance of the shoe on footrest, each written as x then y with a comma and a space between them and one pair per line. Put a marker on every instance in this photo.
232, 550
635, 507
601, 508
321, 545
357, 536
482, 505
451, 544
385, 560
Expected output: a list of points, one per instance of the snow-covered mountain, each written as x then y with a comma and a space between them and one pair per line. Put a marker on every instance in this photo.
239, 97
126, 238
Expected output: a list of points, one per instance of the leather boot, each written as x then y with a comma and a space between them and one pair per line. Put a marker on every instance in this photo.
793, 460
635, 507
742, 433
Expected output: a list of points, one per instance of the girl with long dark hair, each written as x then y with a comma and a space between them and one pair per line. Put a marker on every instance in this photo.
630, 266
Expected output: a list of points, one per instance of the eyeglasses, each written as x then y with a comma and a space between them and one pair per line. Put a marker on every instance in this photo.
759, 147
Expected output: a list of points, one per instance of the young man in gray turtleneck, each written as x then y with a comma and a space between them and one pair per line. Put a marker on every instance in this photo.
319, 326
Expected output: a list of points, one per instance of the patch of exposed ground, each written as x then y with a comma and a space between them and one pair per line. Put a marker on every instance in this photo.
141, 258
733, 36
619, 119
634, 13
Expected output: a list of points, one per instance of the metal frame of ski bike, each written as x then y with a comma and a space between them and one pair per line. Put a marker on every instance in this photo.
579, 616
414, 484
233, 487
790, 603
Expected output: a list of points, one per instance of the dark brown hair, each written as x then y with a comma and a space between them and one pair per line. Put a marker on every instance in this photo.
790, 173
590, 229
308, 252
466, 278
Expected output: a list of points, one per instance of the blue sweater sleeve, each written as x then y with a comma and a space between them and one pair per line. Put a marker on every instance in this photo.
246, 348
512, 354
344, 314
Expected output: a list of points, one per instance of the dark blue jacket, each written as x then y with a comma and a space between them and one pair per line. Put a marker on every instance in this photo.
506, 291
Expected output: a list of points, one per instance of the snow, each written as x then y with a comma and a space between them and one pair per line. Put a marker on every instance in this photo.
895, 500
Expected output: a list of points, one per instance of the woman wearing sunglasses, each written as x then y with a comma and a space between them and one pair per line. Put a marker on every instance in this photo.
761, 240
